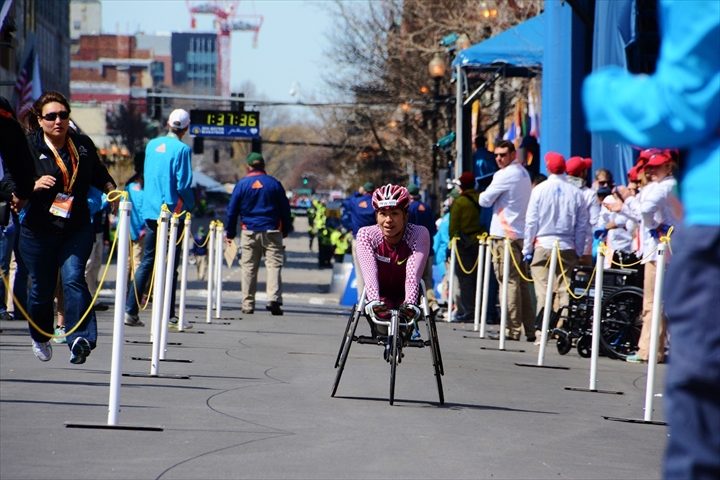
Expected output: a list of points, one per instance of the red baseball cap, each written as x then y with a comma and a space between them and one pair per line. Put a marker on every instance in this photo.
658, 159
555, 163
576, 165
466, 180
633, 173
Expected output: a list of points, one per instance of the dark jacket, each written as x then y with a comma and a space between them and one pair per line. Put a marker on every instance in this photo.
261, 203
36, 215
19, 172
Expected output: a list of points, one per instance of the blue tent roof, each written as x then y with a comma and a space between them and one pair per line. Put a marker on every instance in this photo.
520, 46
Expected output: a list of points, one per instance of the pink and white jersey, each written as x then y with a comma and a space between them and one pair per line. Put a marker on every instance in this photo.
392, 273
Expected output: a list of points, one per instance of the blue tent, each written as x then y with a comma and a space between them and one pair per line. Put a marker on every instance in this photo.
520, 46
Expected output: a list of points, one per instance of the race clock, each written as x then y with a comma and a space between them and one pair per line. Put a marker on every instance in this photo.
222, 123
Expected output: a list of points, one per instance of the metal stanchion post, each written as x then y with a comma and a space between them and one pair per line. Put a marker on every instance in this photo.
168, 290
159, 287
478, 284
119, 320
187, 238
655, 331
597, 312
218, 269
451, 281
211, 270
486, 289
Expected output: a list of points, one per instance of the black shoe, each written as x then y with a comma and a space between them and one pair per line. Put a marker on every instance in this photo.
274, 308
530, 339
6, 316
101, 307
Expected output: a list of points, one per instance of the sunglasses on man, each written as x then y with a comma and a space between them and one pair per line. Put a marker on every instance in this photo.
52, 116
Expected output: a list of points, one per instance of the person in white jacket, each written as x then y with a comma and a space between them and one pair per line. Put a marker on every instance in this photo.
557, 213
657, 208
508, 194
577, 169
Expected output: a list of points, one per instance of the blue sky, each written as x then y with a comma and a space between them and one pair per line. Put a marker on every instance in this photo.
290, 45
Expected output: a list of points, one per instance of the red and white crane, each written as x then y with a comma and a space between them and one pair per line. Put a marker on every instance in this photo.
226, 22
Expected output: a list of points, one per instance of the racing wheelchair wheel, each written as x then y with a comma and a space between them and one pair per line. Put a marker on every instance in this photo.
621, 322
345, 335
347, 343
394, 338
584, 346
436, 356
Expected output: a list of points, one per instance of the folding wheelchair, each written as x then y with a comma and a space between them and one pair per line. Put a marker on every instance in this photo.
621, 311
398, 336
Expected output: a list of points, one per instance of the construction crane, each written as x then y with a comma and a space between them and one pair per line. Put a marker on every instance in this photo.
226, 22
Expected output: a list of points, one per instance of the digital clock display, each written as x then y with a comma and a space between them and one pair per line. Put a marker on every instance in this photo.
218, 123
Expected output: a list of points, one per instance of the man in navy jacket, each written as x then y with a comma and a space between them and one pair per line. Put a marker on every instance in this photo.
264, 210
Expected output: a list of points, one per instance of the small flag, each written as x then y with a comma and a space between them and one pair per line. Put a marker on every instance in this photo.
27, 85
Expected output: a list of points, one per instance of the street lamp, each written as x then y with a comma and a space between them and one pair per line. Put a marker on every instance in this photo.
437, 68
463, 42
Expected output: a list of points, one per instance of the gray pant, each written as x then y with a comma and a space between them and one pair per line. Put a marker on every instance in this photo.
254, 245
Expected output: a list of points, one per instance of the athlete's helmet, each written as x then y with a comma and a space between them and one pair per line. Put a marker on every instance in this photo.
389, 197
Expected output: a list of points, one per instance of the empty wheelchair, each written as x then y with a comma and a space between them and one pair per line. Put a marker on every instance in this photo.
398, 336
621, 311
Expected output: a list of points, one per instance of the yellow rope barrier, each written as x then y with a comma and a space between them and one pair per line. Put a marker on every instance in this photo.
457, 257
517, 267
565, 280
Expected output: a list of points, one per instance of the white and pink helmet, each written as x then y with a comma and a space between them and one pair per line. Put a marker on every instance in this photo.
389, 197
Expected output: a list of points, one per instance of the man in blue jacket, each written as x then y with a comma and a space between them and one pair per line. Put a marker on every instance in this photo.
264, 210
358, 212
679, 107
167, 181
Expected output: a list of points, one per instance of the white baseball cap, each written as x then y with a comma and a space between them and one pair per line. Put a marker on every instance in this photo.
179, 119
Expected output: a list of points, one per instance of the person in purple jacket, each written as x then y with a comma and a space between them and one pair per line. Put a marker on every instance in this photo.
264, 210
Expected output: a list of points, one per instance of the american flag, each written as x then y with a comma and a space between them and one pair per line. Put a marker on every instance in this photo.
27, 85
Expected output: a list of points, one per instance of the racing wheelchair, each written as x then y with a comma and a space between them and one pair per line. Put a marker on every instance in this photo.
621, 321
398, 336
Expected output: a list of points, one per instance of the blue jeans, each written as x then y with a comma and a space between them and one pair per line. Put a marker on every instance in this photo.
44, 254
692, 383
7, 241
145, 270
20, 286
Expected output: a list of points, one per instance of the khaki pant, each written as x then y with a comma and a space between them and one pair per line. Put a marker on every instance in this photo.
358, 272
92, 268
254, 245
201, 264
648, 296
519, 302
540, 276
137, 248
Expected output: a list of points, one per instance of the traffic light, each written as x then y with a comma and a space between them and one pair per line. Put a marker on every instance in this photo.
256, 145
216, 156
305, 180
198, 145
236, 106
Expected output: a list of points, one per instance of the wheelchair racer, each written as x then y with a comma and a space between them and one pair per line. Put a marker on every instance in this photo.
392, 256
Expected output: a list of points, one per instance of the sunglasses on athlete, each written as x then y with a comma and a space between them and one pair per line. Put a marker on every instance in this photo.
52, 116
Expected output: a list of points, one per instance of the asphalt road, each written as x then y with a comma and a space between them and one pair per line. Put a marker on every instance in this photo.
257, 403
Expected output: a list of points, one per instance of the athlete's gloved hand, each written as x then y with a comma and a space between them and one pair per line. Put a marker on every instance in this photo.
528, 258
600, 233
374, 307
412, 312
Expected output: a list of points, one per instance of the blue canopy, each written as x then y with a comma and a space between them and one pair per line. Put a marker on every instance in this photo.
520, 46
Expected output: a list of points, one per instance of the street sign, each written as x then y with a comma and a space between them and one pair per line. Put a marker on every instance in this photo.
222, 123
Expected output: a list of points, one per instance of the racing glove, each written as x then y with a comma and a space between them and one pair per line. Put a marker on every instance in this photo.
374, 307
412, 312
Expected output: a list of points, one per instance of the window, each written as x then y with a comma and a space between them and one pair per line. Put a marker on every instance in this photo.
76, 25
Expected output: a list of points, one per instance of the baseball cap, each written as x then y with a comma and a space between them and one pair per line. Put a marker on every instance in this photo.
369, 187
179, 119
658, 159
633, 173
576, 165
413, 189
254, 158
466, 180
555, 163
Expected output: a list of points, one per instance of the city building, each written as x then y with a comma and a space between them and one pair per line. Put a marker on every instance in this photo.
195, 62
85, 19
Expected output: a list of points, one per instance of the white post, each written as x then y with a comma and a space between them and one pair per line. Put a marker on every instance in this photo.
218, 269
655, 330
119, 320
486, 288
187, 238
548, 303
458, 122
478, 284
169, 271
597, 312
158, 288
211, 263
451, 281
504, 300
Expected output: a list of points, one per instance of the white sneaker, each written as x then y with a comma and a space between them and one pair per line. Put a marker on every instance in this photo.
43, 351
186, 325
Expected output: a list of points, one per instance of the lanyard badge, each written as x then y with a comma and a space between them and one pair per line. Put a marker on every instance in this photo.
62, 205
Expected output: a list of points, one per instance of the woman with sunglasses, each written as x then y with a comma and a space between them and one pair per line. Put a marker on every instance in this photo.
56, 234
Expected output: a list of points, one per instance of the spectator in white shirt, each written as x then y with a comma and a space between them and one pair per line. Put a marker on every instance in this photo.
508, 195
577, 169
557, 213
